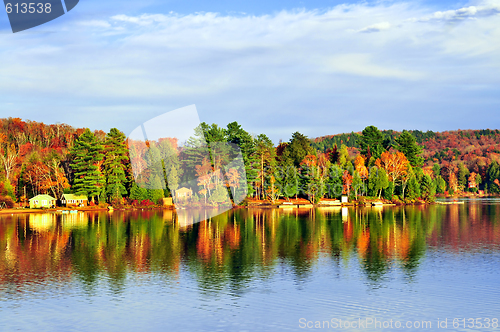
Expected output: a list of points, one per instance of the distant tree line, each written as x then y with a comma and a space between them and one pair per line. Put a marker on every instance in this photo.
54, 159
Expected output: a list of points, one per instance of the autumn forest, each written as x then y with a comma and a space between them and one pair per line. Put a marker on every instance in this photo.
402, 167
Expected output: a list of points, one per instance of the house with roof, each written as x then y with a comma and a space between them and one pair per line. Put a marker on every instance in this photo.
183, 194
71, 200
42, 201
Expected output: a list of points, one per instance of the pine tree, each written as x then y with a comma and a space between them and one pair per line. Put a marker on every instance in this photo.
372, 181
297, 149
413, 189
334, 181
289, 181
236, 135
266, 154
389, 191
154, 195
440, 185
102, 196
173, 179
114, 164
436, 169
87, 153
407, 144
371, 143
138, 193
427, 188
171, 165
492, 174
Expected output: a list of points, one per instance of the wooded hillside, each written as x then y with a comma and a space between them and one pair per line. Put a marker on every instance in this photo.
36, 158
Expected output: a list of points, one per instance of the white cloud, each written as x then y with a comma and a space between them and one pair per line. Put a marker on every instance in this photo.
144, 19
376, 27
246, 68
363, 65
487, 8
95, 24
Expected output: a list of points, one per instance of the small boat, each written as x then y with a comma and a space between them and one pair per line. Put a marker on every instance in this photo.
449, 203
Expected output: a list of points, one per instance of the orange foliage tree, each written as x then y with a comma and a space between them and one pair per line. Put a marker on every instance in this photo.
395, 164
347, 181
472, 180
359, 164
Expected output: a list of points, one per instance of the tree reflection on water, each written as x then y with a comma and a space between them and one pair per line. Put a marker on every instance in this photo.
233, 248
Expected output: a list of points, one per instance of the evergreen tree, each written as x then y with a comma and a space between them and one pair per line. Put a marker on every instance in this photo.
492, 174
440, 185
436, 169
313, 183
154, 179
334, 181
413, 188
173, 179
114, 164
372, 181
87, 153
155, 193
389, 191
407, 144
298, 148
138, 193
463, 175
236, 135
419, 173
478, 179
194, 152
214, 133
266, 155
427, 188
333, 154
102, 196
289, 180
372, 142
171, 165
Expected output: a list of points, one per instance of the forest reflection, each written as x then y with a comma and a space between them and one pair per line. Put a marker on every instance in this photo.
233, 248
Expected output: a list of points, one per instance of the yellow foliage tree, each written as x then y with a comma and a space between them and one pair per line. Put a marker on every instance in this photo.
395, 164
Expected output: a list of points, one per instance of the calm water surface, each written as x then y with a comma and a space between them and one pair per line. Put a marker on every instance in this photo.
252, 270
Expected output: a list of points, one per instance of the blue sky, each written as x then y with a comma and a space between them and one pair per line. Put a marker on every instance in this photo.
318, 67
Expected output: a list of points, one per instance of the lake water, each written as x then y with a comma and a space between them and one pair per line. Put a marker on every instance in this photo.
368, 269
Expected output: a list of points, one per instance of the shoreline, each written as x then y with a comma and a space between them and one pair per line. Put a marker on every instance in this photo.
300, 203
280, 206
